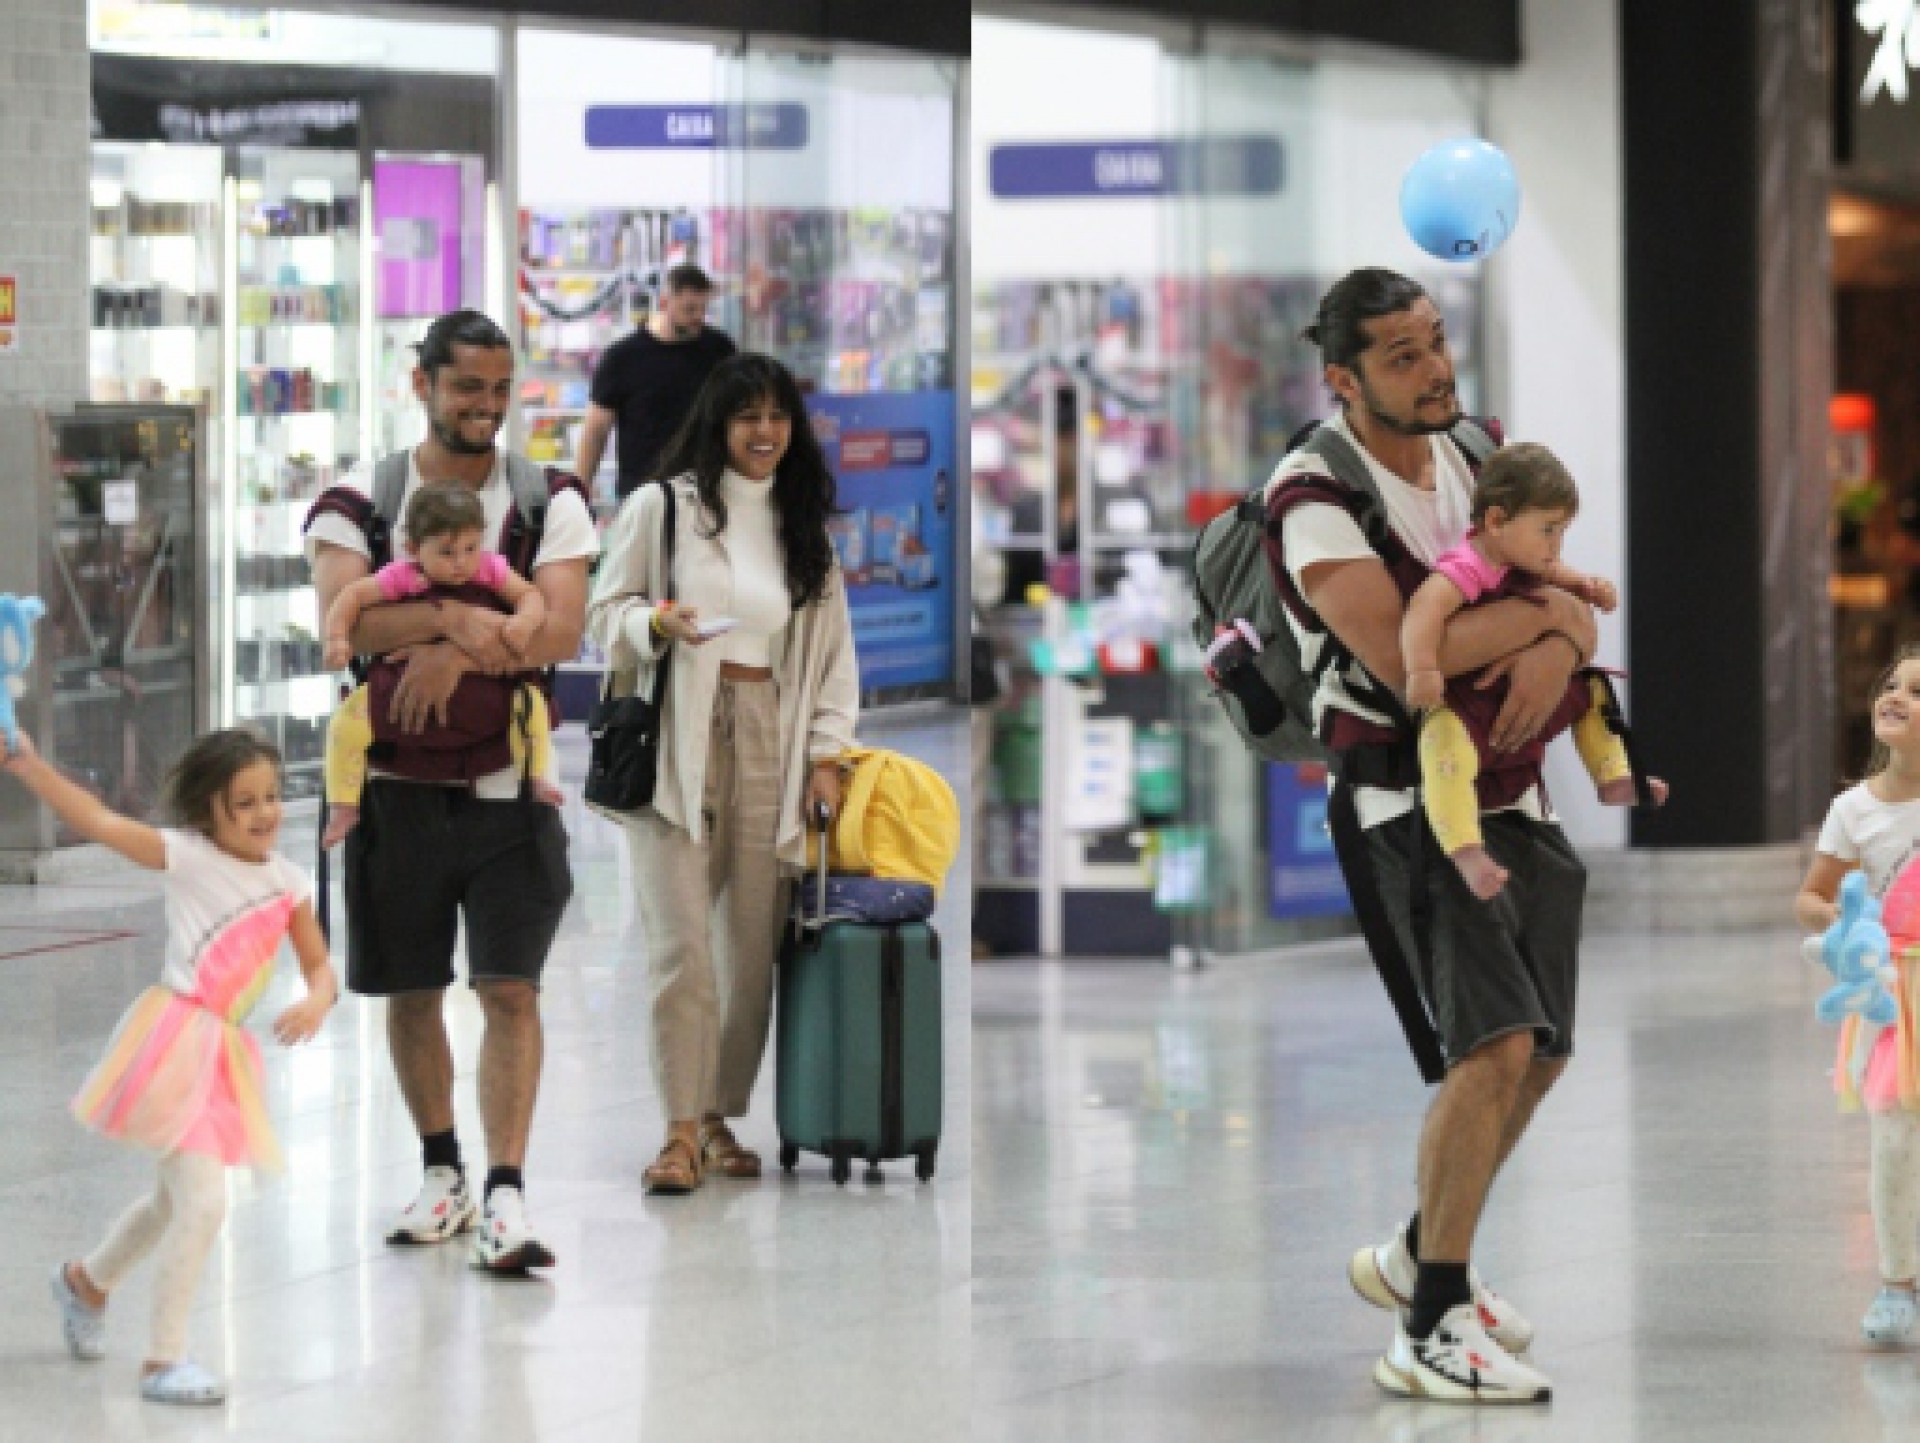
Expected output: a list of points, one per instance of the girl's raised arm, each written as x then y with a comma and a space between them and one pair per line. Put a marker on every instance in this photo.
81, 810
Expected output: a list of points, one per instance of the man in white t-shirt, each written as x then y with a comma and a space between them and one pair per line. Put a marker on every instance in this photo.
1498, 977
429, 855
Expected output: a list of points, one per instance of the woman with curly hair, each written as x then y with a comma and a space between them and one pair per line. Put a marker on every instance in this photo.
762, 695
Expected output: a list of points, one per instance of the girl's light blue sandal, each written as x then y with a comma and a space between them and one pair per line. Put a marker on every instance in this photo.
1890, 1317
183, 1382
85, 1327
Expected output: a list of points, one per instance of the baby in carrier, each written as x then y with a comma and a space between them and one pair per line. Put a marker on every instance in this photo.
498, 718
1523, 503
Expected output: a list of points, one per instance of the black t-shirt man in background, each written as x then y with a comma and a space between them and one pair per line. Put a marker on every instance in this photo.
645, 383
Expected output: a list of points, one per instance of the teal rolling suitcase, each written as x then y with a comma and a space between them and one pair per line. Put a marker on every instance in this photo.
857, 1043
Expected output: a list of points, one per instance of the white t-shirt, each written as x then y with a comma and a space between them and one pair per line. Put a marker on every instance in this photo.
1428, 523
1881, 836
569, 535
226, 918
761, 602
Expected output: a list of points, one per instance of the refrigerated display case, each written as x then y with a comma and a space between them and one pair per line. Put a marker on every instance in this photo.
121, 554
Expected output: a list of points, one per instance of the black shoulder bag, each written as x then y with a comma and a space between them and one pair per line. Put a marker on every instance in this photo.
625, 730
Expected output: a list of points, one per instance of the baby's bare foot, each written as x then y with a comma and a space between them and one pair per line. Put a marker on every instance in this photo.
549, 793
1619, 792
1484, 876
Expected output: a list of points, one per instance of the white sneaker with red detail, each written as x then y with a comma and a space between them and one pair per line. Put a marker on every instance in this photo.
1384, 1276
1458, 1363
504, 1241
443, 1209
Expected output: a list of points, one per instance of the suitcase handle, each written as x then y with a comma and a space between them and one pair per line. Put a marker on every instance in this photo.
822, 820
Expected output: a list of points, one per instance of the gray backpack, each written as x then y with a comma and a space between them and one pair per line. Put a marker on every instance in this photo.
1240, 619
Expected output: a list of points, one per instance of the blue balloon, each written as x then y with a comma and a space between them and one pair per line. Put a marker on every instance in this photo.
1460, 200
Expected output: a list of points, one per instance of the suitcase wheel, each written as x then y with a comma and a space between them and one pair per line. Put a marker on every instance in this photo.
842, 1169
789, 1155
923, 1164
874, 1175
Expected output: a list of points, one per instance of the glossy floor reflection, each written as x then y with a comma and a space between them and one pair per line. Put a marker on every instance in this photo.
786, 1309
1172, 1169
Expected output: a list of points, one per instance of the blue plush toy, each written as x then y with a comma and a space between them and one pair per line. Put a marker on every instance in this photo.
17, 616
1855, 950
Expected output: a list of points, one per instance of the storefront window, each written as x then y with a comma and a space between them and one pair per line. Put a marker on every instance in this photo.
268, 241
1152, 230
816, 192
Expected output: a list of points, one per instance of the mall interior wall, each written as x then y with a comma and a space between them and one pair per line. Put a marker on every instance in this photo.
43, 203
1556, 331
1729, 367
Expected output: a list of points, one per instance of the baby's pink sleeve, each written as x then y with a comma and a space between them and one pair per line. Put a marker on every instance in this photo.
1468, 570
493, 570
400, 580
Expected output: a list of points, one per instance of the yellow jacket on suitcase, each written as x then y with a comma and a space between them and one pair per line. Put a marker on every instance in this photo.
898, 820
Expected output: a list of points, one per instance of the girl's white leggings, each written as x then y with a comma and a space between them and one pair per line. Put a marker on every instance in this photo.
183, 1215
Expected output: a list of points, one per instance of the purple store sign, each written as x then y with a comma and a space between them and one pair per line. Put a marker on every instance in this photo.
1243, 165
697, 127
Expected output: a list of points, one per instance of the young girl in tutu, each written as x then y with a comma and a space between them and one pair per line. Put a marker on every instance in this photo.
1875, 826
181, 1076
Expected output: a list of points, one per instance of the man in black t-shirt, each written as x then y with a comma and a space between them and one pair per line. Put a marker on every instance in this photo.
645, 383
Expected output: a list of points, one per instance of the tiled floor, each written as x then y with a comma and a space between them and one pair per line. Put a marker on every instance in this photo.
787, 1309
1172, 1169
1167, 1171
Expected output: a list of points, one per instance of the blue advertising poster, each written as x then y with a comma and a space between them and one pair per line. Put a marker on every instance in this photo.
892, 455
1303, 877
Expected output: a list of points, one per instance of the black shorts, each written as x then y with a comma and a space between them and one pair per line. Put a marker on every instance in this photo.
1507, 965
423, 858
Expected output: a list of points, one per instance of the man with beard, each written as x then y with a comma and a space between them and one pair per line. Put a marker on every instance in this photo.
1497, 977
645, 384
431, 854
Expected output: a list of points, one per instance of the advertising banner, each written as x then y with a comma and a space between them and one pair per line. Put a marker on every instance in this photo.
892, 455
1303, 877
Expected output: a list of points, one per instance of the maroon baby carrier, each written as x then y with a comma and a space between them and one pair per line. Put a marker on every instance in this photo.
476, 739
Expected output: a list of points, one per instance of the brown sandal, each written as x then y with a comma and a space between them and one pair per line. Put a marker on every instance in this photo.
676, 1170
721, 1151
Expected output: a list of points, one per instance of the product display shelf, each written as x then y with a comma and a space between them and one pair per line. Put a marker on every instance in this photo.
297, 410
155, 275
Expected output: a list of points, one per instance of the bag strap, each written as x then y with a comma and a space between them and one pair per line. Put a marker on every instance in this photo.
389, 491
667, 591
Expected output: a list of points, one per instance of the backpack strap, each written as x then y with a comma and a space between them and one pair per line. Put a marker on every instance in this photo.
389, 491
535, 488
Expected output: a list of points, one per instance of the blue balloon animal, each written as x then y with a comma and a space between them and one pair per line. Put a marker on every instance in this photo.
17, 616
1855, 950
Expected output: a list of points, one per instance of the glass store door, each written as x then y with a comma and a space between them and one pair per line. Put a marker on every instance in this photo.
1291, 179
837, 217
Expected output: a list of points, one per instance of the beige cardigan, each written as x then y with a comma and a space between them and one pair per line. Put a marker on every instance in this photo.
813, 658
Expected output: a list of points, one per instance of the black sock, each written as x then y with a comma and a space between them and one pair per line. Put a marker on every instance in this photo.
1440, 1286
1413, 1236
442, 1149
503, 1177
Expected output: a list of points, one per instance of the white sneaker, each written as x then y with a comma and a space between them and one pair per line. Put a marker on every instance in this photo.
1459, 1363
443, 1209
1385, 1275
505, 1241
1890, 1317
